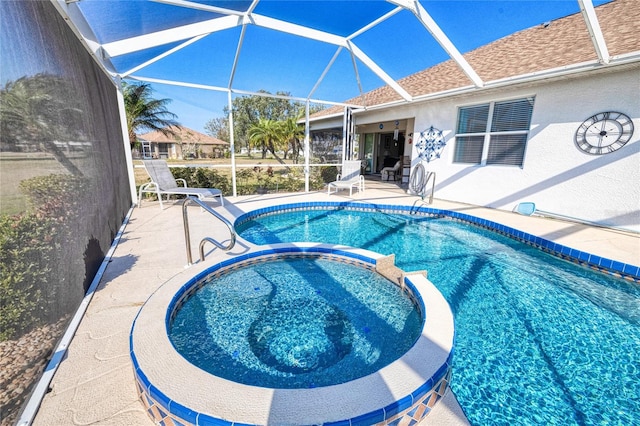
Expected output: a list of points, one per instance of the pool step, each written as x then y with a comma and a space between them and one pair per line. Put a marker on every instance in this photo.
386, 266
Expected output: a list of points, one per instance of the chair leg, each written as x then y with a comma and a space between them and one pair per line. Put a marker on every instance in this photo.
160, 199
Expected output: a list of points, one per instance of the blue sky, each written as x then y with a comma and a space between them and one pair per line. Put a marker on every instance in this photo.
468, 24
275, 61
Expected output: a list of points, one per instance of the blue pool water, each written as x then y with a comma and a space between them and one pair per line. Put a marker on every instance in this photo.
295, 323
538, 340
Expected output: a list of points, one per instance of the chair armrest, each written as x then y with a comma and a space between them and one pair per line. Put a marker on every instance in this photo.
184, 182
149, 187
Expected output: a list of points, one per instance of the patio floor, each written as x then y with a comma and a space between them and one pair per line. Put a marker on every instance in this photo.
95, 384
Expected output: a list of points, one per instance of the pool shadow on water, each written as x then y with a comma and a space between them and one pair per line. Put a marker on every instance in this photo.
470, 279
199, 335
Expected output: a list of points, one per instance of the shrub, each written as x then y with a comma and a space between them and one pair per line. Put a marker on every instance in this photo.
55, 196
202, 177
328, 173
292, 181
27, 251
42, 269
318, 178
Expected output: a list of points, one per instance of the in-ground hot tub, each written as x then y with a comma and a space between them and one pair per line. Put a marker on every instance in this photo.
262, 376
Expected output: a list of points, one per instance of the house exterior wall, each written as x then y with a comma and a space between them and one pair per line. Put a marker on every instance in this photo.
556, 175
174, 151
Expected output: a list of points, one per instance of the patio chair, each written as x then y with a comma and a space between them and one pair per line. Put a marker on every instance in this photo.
349, 178
163, 182
389, 171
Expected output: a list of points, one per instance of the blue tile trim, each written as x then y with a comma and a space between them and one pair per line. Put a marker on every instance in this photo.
368, 418
204, 420
398, 406
606, 263
338, 423
631, 270
417, 297
182, 412
142, 378
598, 263
159, 397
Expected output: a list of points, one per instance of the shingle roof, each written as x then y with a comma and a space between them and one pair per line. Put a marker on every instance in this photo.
183, 134
561, 43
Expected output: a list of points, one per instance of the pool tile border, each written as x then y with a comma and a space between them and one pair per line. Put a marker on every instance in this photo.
601, 264
407, 410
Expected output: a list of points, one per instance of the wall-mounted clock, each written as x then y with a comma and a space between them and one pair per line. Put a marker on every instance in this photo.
604, 132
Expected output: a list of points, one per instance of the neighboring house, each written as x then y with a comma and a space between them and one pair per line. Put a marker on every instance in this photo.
185, 144
552, 123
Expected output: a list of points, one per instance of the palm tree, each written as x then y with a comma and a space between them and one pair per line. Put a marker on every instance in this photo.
270, 135
145, 112
293, 133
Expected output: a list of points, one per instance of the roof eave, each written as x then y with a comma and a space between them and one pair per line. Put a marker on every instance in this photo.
574, 69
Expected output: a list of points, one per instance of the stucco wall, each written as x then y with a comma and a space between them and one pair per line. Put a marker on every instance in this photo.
556, 175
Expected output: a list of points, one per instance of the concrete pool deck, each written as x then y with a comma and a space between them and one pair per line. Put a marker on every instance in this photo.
94, 384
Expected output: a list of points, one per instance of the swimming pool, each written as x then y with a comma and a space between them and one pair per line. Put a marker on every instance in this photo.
174, 390
295, 322
539, 340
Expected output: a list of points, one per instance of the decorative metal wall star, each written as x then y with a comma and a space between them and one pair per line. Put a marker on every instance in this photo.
430, 144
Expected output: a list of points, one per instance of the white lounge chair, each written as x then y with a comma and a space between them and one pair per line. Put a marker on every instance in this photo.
349, 178
388, 171
163, 182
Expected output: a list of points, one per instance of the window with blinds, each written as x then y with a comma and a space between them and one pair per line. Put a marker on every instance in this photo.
473, 119
469, 149
506, 149
493, 133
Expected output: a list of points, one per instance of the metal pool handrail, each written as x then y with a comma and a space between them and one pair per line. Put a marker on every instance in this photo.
187, 236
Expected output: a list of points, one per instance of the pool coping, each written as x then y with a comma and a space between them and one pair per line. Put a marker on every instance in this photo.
389, 392
598, 263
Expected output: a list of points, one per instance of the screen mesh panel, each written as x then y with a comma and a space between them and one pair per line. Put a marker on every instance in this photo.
64, 186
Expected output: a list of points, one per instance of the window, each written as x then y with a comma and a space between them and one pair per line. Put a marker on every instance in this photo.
494, 133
